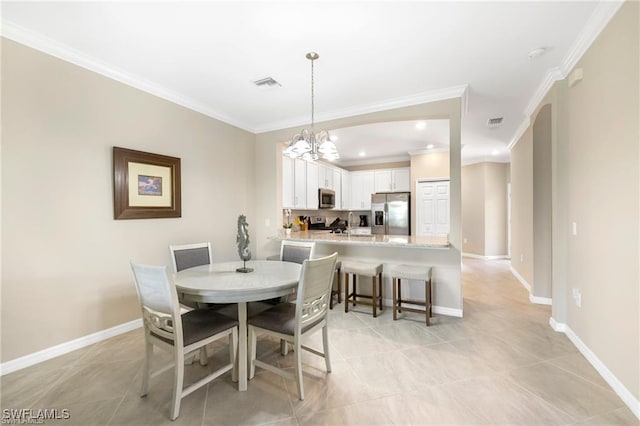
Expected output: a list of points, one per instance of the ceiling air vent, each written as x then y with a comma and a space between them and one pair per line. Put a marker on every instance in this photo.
267, 82
492, 123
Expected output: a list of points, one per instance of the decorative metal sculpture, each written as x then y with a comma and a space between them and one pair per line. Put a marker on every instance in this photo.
243, 243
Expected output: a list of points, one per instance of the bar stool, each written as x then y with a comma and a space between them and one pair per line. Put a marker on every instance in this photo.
411, 272
373, 270
338, 290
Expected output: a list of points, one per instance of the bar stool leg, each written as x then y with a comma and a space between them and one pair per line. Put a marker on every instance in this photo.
394, 283
380, 288
339, 286
400, 295
427, 306
346, 293
374, 297
355, 288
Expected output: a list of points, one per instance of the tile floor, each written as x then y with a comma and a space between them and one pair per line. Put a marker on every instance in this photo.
500, 364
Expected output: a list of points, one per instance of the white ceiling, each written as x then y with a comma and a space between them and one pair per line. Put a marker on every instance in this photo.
373, 56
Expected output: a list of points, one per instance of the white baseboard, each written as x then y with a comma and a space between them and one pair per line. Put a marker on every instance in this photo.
63, 348
479, 256
533, 299
557, 326
540, 300
620, 389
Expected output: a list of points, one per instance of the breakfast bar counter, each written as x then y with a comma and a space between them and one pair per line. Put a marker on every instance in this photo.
361, 239
391, 250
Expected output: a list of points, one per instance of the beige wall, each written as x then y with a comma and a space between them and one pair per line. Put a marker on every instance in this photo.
522, 207
65, 259
596, 184
473, 212
377, 166
602, 120
484, 209
495, 209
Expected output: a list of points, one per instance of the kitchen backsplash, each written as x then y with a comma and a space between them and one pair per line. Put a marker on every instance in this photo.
330, 215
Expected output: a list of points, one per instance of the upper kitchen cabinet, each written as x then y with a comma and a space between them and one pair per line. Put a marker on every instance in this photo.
392, 180
325, 177
287, 183
312, 185
300, 183
345, 190
361, 189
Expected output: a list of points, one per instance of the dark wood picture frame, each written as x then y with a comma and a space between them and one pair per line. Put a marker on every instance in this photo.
162, 202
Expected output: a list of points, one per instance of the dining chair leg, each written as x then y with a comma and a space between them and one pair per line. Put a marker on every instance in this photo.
178, 372
204, 357
148, 349
325, 347
233, 352
253, 341
297, 349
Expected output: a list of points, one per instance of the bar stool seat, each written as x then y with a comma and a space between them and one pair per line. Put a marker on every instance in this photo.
338, 290
373, 270
411, 272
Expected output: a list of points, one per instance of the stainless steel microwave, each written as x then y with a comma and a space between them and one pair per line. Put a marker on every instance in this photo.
326, 198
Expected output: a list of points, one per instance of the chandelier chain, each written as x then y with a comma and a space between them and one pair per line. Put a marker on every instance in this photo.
312, 98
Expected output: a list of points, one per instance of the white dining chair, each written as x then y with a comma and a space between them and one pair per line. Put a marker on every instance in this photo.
180, 334
290, 322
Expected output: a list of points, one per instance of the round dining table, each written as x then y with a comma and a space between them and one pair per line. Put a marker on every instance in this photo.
221, 283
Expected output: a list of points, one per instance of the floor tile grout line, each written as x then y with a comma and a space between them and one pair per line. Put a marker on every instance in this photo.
586, 379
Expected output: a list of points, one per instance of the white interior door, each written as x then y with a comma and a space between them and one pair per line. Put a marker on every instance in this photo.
433, 208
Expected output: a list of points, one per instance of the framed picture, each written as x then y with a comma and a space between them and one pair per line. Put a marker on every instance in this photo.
145, 185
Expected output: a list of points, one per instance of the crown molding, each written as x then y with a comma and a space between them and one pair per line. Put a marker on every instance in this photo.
44, 44
519, 132
604, 11
374, 160
416, 99
428, 151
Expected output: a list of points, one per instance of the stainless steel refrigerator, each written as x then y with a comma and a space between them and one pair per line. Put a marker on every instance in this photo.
390, 213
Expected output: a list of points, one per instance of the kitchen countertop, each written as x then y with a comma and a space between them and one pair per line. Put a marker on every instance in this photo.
404, 241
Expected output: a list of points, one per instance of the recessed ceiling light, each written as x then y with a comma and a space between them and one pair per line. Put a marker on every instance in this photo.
333, 138
430, 146
421, 125
362, 153
536, 53
495, 152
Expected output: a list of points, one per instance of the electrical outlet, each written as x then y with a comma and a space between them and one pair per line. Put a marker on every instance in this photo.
521, 257
574, 228
464, 240
267, 223
577, 297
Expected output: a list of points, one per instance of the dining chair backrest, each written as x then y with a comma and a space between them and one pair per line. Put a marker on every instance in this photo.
159, 301
297, 251
314, 290
190, 255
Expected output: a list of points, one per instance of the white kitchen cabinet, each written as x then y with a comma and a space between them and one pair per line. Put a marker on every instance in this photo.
345, 188
287, 183
392, 180
337, 187
312, 186
325, 177
362, 187
299, 184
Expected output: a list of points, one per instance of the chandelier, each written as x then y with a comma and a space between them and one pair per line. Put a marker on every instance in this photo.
308, 144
